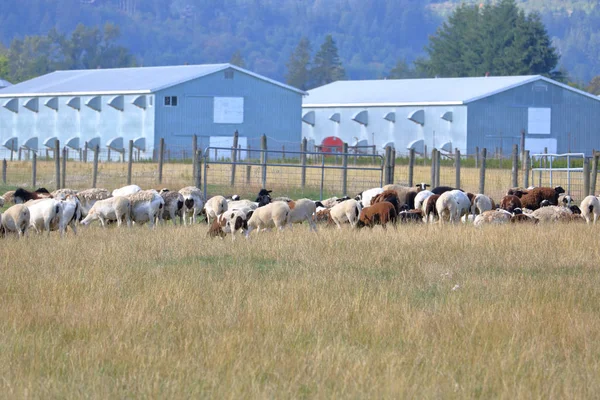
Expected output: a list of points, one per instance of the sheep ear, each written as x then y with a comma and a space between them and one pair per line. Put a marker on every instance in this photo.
249, 214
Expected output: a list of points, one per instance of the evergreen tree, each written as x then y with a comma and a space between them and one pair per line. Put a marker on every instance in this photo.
594, 86
327, 66
298, 66
402, 71
498, 39
237, 59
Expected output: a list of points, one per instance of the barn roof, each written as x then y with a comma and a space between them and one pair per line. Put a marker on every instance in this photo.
4, 83
120, 80
407, 92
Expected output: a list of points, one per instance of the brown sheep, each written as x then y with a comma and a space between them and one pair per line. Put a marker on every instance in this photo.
510, 203
533, 198
523, 218
216, 228
390, 196
429, 207
324, 216
377, 214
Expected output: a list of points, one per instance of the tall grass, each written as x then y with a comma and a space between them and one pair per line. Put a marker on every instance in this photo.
421, 312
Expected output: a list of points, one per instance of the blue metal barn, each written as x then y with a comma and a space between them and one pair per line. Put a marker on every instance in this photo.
109, 107
449, 113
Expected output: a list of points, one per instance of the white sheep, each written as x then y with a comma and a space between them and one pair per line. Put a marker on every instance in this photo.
421, 197
16, 219
70, 215
590, 206
126, 190
556, 214
241, 204
60, 194
43, 214
193, 203
111, 209
88, 197
269, 216
304, 210
366, 196
214, 207
494, 217
481, 203
145, 206
453, 204
346, 211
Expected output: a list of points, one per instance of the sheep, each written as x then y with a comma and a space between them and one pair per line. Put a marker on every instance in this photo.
556, 214
235, 221
347, 211
22, 196
240, 204
429, 210
481, 203
215, 229
403, 192
590, 206
61, 194
304, 210
454, 204
330, 202
523, 218
1, 201
390, 196
264, 197
110, 209
324, 216
193, 203
421, 197
410, 216
532, 198
145, 206
8, 197
214, 207
268, 216
366, 196
378, 214
494, 217
70, 215
510, 203
442, 189
173, 206
44, 213
87, 198
126, 190
16, 219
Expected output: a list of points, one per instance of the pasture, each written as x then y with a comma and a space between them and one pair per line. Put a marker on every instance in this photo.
418, 312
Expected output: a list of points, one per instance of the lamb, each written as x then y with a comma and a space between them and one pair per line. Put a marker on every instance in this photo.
16, 219
111, 209
173, 206
235, 221
70, 215
532, 198
347, 211
390, 196
215, 229
304, 210
410, 216
454, 204
43, 214
145, 206
87, 198
429, 210
324, 216
270, 215
590, 206
193, 203
510, 203
366, 196
556, 214
22, 196
215, 206
378, 214
481, 203
126, 190
494, 217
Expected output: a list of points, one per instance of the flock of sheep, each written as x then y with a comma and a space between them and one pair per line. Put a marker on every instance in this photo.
44, 212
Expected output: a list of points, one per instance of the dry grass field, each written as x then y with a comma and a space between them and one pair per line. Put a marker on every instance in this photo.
421, 312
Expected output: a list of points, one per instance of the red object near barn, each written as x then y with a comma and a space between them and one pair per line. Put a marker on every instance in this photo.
332, 144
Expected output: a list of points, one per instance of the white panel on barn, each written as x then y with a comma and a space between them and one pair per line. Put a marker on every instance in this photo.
228, 110
539, 120
227, 143
536, 146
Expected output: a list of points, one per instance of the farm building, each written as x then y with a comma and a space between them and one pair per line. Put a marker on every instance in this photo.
449, 113
4, 83
109, 107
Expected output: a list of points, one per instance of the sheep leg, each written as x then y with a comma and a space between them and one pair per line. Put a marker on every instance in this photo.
73, 226
102, 222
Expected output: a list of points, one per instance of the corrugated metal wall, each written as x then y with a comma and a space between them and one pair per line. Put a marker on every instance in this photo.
498, 120
268, 109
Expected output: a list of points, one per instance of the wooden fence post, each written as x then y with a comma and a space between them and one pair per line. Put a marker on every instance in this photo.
432, 174
85, 151
482, 171
198, 168
303, 146
457, 166
594, 172
425, 155
161, 159
477, 157
386, 165
263, 160
393, 166
33, 170
345, 170
411, 167
438, 165
515, 165
57, 163
95, 166
4, 168
527, 163
65, 155
523, 145
586, 176
234, 156
194, 154
248, 167
130, 163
